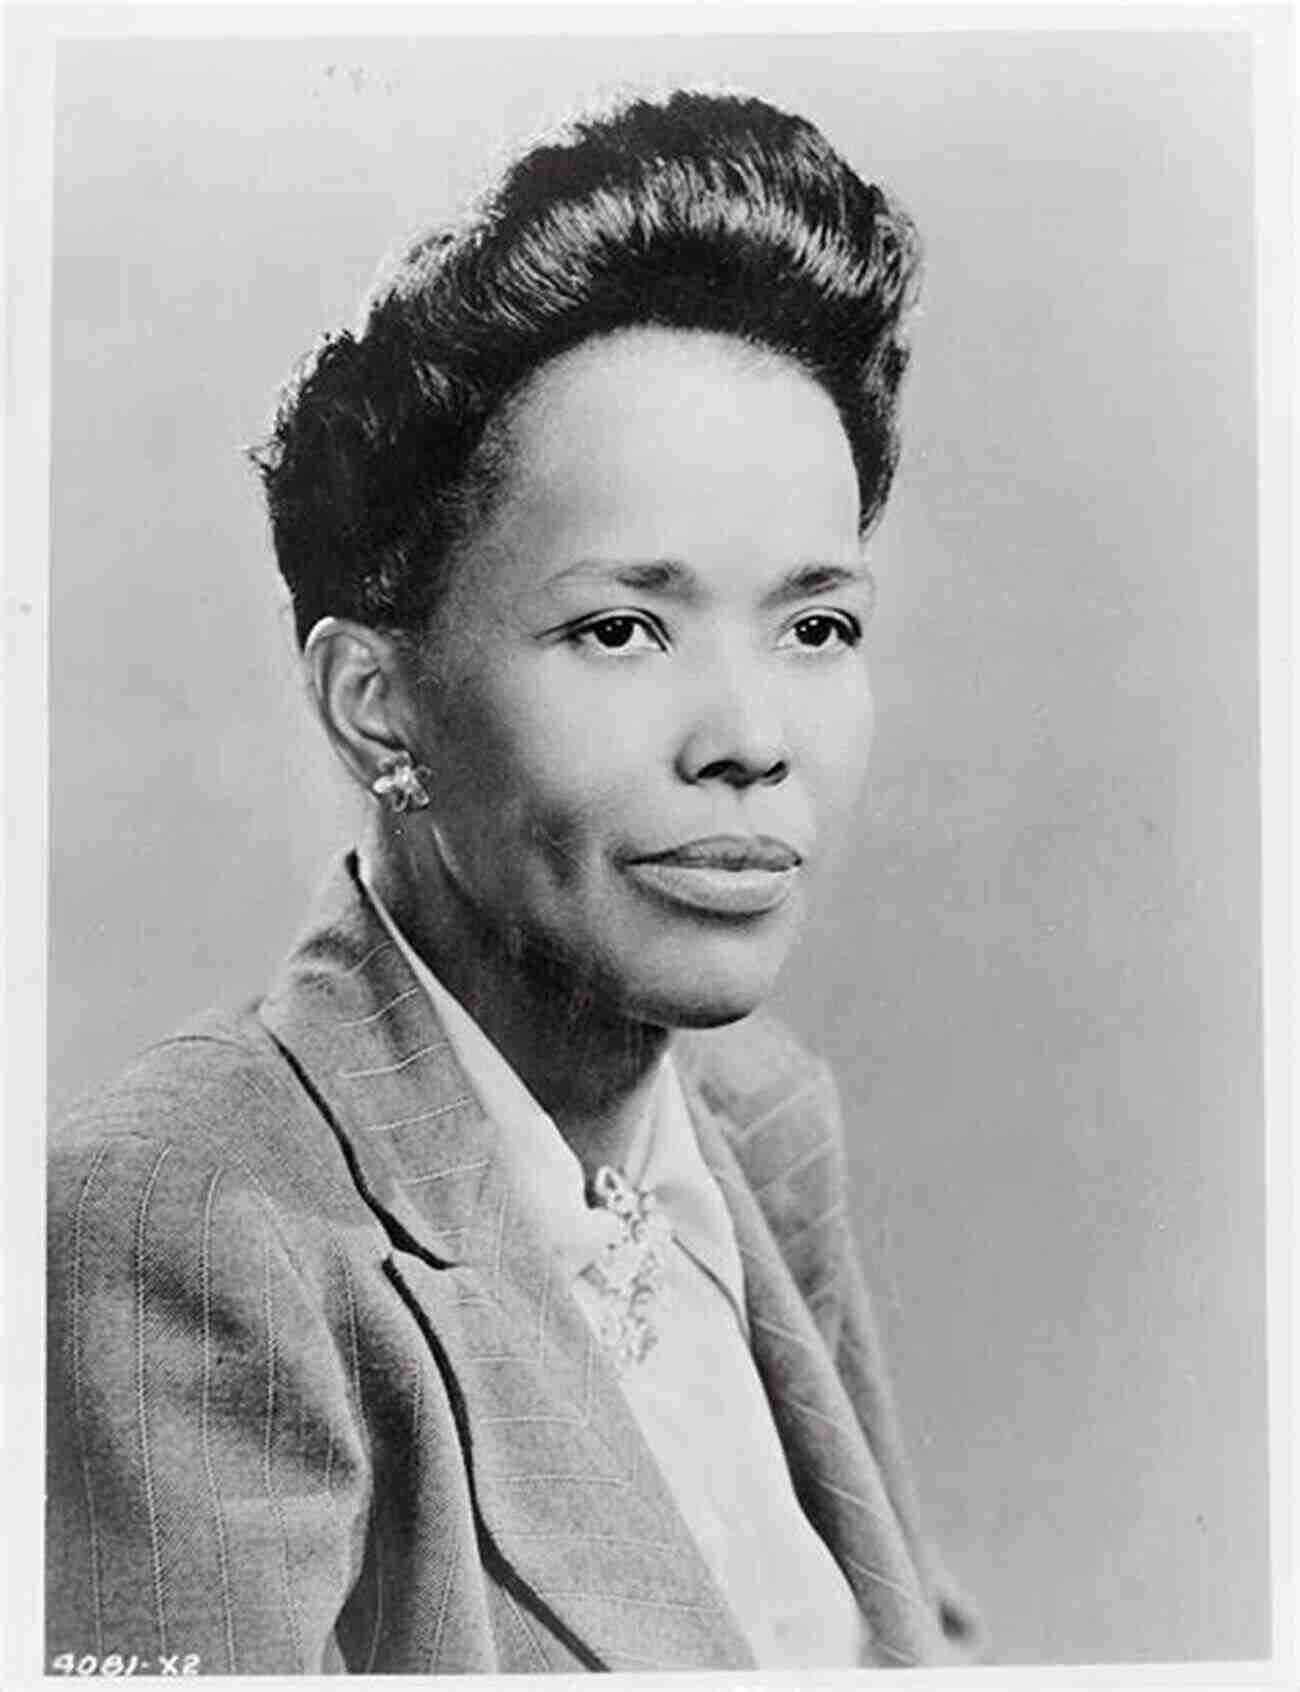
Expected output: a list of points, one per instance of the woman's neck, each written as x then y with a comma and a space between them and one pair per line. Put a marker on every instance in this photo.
591, 1071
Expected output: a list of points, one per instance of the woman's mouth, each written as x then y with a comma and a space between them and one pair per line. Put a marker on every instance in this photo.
724, 875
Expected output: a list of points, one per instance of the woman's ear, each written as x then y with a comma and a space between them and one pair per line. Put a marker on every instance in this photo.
357, 683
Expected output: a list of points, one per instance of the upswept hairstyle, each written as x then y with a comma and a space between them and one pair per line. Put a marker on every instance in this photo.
712, 212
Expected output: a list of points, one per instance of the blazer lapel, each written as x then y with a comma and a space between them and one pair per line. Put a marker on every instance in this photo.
567, 1493
835, 1472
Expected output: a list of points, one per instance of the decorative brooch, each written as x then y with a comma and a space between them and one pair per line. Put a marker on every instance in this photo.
629, 1271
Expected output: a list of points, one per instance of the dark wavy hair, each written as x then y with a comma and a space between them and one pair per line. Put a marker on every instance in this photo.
712, 212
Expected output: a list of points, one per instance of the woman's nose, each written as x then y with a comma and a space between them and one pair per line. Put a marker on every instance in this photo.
736, 736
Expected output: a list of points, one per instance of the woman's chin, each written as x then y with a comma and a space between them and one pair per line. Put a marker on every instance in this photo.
706, 996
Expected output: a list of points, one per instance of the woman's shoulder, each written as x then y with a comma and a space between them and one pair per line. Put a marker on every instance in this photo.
207, 1074
217, 1099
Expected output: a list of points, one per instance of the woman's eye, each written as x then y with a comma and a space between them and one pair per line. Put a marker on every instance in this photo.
822, 630
621, 633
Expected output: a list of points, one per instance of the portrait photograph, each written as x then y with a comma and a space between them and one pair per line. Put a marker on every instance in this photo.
652, 684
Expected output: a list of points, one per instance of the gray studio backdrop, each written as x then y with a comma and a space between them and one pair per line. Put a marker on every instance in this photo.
1036, 968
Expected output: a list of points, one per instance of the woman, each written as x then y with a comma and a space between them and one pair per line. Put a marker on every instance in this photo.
481, 1298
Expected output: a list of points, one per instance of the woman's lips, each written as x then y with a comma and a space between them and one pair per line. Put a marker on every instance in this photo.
725, 875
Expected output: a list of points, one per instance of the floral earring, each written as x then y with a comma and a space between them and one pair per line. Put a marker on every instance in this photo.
401, 782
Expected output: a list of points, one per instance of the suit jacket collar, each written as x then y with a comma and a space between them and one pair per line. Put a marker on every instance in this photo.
567, 1490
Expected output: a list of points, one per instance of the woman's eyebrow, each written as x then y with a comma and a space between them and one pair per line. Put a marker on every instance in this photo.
811, 579
666, 577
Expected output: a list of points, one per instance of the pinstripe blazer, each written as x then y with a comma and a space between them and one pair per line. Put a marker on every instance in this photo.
315, 1401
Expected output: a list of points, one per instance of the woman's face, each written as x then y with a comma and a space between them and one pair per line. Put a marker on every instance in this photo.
648, 704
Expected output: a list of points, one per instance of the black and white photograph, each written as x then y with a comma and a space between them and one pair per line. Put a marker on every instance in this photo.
653, 974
